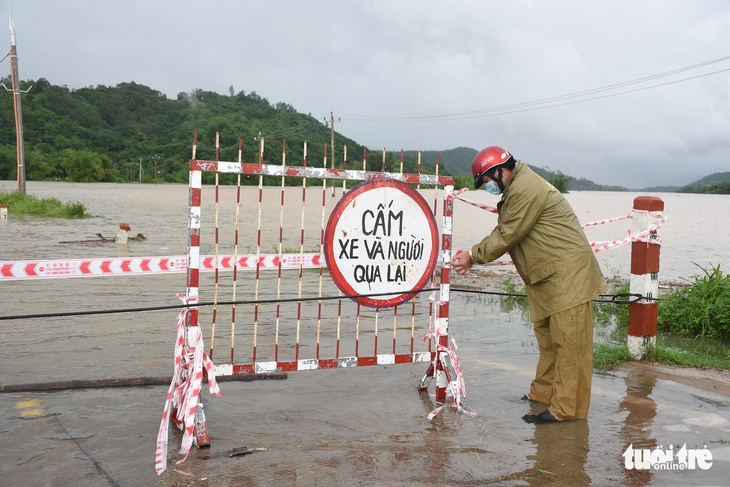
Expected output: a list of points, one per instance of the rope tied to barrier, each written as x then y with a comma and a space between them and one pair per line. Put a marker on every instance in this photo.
184, 392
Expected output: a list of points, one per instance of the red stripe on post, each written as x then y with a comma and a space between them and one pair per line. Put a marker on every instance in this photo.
645, 256
643, 319
195, 196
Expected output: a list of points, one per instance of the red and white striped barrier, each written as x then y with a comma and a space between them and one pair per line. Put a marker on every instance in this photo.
66, 268
334, 335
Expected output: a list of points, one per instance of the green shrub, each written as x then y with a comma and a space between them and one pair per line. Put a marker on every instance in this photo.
700, 310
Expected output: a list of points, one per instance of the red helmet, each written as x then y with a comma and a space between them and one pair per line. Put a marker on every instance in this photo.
487, 159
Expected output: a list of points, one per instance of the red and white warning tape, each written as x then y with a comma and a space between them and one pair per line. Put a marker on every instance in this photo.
648, 236
493, 209
184, 392
608, 220
450, 361
55, 269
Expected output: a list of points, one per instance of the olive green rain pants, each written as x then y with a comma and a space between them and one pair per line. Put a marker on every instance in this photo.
565, 367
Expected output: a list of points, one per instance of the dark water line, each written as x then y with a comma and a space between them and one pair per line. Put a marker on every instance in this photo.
124, 382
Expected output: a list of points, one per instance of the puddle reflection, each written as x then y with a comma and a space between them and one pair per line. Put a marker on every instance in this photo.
561, 452
636, 429
440, 438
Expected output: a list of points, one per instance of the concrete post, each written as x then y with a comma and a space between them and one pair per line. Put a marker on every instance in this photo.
647, 215
123, 234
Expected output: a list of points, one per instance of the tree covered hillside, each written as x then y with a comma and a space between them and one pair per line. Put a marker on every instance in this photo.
130, 132
718, 183
106, 133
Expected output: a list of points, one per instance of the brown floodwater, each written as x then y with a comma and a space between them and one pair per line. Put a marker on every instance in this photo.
357, 426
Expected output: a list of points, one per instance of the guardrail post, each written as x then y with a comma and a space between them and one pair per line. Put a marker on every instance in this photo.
647, 215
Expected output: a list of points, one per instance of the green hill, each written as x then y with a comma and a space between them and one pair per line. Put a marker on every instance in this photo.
131, 132
717, 183
110, 133
718, 177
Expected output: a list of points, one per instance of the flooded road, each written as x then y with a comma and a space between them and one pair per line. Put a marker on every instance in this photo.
360, 426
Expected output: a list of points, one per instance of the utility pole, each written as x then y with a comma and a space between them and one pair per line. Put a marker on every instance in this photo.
16, 105
156, 158
332, 145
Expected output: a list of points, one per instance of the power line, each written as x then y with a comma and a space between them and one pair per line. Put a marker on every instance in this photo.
551, 102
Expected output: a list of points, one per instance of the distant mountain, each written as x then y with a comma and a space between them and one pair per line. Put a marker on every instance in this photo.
660, 189
458, 162
718, 177
717, 183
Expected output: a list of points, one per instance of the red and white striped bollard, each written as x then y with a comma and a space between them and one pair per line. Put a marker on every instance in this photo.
643, 314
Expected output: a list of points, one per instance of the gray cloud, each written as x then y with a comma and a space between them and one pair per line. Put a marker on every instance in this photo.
385, 67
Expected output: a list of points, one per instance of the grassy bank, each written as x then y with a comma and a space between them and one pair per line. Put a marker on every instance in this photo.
693, 324
669, 350
693, 328
23, 203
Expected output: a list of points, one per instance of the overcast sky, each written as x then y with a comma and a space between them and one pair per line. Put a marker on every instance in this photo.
430, 75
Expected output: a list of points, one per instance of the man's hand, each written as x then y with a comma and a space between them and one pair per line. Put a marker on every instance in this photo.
461, 263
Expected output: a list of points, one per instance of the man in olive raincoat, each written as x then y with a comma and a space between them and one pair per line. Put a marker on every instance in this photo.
544, 238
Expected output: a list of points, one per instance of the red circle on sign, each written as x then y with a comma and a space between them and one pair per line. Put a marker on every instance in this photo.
349, 202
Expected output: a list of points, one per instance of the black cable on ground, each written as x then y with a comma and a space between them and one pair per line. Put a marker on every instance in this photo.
634, 297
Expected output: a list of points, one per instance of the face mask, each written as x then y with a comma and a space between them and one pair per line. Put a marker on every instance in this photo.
492, 188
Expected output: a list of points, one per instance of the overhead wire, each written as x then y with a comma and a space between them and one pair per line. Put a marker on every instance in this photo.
533, 105
550, 102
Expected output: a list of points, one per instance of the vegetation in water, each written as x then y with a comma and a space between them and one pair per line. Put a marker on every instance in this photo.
23, 203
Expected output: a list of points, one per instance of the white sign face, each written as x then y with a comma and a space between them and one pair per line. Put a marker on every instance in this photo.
381, 243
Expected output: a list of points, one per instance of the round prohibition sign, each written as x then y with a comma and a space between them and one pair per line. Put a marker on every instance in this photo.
381, 238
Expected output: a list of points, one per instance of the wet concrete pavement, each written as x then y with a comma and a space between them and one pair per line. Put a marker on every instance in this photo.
368, 426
